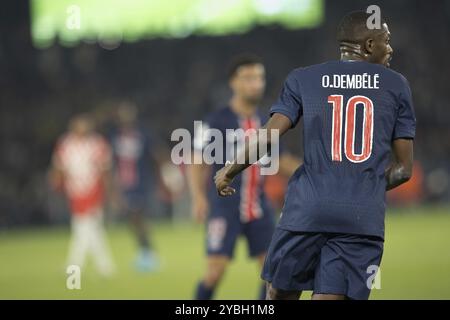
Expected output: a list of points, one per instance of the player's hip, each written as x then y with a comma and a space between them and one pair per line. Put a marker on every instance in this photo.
329, 263
333, 217
241, 213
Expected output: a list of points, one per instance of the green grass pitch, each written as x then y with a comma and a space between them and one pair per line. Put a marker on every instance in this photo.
416, 263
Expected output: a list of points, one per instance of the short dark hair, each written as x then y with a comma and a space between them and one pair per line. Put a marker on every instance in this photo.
353, 27
244, 59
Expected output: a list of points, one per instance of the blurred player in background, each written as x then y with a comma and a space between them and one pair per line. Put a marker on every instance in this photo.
134, 166
356, 112
249, 212
81, 168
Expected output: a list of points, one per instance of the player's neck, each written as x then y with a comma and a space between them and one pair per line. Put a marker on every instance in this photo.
352, 52
242, 107
346, 56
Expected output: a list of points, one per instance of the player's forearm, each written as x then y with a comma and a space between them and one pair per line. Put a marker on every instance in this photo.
278, 124
56, 179
401, 168
396, 175
235, 169
288, 164
254, 150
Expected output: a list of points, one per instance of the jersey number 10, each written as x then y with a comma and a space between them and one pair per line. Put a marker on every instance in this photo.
350, 128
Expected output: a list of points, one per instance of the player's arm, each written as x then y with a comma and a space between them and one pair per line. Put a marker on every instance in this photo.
289, 163
225, 176
55, 176
197, 175
400, 170
109, 179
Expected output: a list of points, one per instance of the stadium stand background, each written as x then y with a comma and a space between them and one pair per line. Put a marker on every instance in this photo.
41, 89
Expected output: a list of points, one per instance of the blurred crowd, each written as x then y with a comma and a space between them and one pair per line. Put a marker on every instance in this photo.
175, 81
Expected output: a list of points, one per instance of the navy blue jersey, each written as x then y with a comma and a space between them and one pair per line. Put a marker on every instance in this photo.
249, 196
352, 111
132, 159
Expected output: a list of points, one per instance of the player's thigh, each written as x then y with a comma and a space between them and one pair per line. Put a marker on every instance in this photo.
348, 263
292, 259
279, 294
259, 233
320, 296
76, 224
96, 228
82, 224
135, 203
96, 220
222, 231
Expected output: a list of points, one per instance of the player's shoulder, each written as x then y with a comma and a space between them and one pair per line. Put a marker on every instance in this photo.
357, 66
218, 116
397, 77
392, 77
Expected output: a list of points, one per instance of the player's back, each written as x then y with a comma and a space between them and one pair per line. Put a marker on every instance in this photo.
351, 112
132, 157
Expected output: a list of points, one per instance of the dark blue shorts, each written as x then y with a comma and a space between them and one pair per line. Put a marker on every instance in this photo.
223, 231
327, 263
136, 200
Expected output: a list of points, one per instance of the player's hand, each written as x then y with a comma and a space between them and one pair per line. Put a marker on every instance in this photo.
200, 208
223, 182
56, 180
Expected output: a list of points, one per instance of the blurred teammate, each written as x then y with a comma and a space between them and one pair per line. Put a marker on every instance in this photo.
249, 212
132, 166
331, 233
81, 164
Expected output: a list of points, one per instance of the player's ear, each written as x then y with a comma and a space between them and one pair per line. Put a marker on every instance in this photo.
368, 45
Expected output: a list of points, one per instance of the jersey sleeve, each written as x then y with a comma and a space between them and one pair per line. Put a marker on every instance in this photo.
289, 102
405, 124
57, 161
